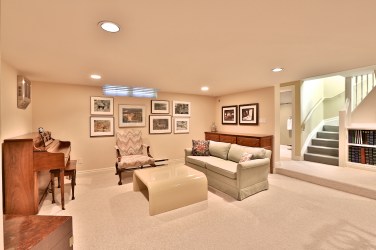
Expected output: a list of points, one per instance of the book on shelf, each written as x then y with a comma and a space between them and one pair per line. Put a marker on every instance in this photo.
362, 155
357, 136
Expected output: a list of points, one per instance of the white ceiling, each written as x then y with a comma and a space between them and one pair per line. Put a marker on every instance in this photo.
179, 46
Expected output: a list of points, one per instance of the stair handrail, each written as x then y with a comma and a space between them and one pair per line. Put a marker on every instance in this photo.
311, 112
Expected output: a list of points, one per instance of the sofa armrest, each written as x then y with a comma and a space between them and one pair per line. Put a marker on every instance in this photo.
252, 172
188, 151
254, 163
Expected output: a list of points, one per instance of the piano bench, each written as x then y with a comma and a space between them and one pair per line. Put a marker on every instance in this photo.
70, 171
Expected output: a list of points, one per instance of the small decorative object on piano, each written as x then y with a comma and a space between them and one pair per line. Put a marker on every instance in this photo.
45, 137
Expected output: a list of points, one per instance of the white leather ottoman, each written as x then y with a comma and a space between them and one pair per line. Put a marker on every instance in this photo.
171, 187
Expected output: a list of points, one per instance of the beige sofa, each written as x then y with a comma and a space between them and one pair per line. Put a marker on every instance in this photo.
225, 173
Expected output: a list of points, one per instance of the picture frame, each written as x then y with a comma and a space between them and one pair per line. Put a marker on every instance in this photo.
160, 107
230, 114
249, 114
101, 105
159, 124
182, 109
101, 126
131, 115
181, 125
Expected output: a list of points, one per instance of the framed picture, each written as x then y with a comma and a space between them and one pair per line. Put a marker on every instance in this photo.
229, 114
181, 125
160, 107
101, 126
159, 124
249, 114
131, 115
181, 108
101, 105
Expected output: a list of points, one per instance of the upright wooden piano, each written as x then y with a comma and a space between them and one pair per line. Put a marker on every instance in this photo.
27, 161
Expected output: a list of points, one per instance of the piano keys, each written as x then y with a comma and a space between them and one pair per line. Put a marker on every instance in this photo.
27, 161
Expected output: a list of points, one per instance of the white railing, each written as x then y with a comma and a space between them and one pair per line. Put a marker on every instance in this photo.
361, 86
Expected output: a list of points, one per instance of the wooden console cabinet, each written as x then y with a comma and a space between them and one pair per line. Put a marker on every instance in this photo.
250, 140
38, 232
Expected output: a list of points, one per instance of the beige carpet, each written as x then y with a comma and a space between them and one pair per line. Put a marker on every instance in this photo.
292, 214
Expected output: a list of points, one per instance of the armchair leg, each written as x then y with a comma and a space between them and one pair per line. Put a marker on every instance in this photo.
120, 183
118, 172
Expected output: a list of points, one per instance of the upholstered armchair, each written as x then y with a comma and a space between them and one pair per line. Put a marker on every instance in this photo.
130, 152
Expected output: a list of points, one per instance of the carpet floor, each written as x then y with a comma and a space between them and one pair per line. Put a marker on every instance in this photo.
292, 214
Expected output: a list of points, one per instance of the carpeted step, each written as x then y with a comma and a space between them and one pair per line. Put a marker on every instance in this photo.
324, 159
322, 150
325, 142
331, 128
328, 135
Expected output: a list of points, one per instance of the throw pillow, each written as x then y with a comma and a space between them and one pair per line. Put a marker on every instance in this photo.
245, 157
200, 148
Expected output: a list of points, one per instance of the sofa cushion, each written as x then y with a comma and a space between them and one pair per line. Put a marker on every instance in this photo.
222, 167
200, 148
245, 157
198, 160
236, 151
219, 149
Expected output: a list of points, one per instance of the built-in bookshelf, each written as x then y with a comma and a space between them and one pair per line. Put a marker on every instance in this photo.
362, 148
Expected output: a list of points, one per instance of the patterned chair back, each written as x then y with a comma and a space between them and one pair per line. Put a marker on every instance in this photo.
129, 142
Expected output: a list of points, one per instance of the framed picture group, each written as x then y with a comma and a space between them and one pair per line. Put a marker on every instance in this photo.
130, 115
160, 122
245, 114
101, 119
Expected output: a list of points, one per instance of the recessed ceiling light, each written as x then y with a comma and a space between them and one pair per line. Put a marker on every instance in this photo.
205, 88
96, 77
277, 69
109, 26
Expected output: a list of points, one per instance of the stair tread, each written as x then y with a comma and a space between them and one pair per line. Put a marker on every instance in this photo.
320, 155
324, 139
323, 147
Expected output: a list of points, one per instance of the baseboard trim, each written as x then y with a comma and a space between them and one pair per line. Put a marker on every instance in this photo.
95, 170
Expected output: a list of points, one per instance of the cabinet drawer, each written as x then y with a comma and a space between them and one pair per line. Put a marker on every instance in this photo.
248, 141
227, 138
213, 137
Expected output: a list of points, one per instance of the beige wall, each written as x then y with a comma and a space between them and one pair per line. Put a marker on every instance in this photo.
264, 97
14, 121
65, 110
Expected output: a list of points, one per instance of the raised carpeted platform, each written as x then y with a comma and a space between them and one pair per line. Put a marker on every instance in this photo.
350, 180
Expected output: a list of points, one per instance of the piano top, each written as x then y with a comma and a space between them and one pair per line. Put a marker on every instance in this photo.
25, 137
55, 146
